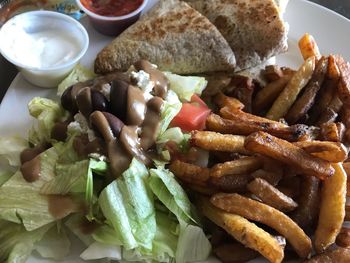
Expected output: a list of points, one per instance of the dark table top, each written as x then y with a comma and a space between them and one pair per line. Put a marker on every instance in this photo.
8, 71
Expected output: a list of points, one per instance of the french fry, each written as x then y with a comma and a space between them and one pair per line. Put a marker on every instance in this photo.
332, 210
288, 153
214, 141
272, 177
190, 173
236, 183
267, 95
243, 165
343, 238
272, 73
328, 116
256, 211
308, 47
333, 69
288, 96
234, 252
244, 231
303, 104
306, 213
347, 213
344, 84
241, 123
271, 195
225, 101
330, 151
206, 190
333, 131
243, 89
338, 255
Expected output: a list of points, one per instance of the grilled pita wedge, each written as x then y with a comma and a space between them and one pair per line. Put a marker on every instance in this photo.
173, 36
253, 28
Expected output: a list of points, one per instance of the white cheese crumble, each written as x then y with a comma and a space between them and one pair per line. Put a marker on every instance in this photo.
98, 157
143, 81
81, 125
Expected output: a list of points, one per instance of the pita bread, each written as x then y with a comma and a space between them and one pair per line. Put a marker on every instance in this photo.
173, 36
253, 28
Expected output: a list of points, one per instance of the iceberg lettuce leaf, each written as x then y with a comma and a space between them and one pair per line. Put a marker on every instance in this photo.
11, 148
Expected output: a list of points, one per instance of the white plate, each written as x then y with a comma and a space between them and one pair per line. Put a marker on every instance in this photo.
330, 30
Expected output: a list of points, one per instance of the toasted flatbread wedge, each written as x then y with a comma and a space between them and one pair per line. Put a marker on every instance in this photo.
254, 29
173, 36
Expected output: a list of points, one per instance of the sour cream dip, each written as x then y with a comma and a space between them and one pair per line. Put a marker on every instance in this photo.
44, 45
42, 49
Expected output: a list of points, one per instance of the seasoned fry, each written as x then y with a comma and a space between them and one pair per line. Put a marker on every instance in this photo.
205, 190
236, 183
287, 97
308, 202
343, 238
344, 84
213, 141
330, 151
244, 231
238, 122
271, 195
332, 210
288, 153
190, 173
225, 101
234, 253
267, 95
303, 104
272, 177
272, 73
338, 255
243, 165
243, 88
328, 116
333, 131
333, 69
308, 47
347, 213
254, 210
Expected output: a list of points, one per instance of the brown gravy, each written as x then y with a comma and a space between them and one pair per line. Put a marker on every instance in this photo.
100, 123
136, 106
119, 158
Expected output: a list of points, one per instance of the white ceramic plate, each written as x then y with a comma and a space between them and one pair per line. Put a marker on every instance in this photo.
330, 30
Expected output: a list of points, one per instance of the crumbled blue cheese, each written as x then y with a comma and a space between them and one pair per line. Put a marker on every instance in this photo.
98, 157
143, 81
81, 125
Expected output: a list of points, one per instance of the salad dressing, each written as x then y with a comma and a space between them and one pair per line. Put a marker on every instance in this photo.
160, 81
136, 106
62, 205
30, 153
31, 169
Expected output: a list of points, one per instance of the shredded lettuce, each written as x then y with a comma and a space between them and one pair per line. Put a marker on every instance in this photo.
186, 86
10, 149
55, 244
73, 223
21, 202
192, 245
16, 244
127, 205
171, 194
47, 112
106, 235
171, 108
99, 250
5, 176
79, 74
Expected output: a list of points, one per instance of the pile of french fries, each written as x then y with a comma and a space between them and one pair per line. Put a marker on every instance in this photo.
277, 180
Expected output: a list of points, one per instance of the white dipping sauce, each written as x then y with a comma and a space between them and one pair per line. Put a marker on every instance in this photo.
42, 49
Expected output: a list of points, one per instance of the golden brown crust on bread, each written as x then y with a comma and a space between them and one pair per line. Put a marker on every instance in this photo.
254, 29
173, 36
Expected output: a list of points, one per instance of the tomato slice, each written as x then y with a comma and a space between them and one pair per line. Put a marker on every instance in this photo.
192, 115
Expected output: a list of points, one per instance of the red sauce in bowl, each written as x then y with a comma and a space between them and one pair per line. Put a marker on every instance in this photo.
112, 7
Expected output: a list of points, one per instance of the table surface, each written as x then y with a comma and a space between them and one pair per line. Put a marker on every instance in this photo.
8, 71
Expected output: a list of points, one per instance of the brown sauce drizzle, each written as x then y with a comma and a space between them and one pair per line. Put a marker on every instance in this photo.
152, 123
87, 228
61, 206
136, 106
83, 147
119, 158
100, 123
59, 131
160, 81
30, 153
31, 169
84, 101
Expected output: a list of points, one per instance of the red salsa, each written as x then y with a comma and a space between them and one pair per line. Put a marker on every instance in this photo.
112, 7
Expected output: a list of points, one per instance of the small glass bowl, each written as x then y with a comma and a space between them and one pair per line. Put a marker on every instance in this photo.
112, 25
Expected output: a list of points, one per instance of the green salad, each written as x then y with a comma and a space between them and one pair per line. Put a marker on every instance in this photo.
69, 177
